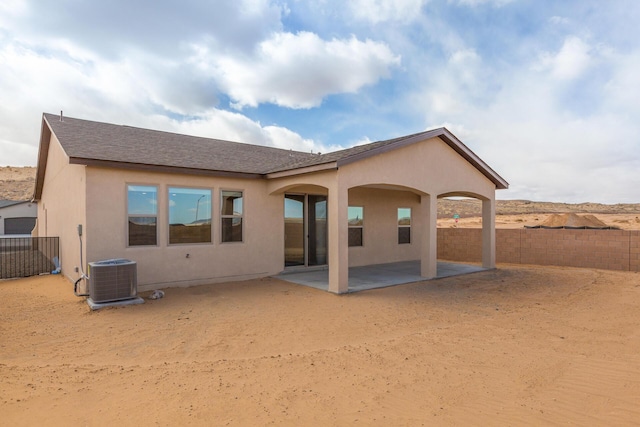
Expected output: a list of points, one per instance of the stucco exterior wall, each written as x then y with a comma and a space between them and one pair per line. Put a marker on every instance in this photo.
431, 167
260, 254
62, 207
380, 231
21, 210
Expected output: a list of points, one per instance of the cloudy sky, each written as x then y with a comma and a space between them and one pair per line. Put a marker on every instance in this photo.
546, 92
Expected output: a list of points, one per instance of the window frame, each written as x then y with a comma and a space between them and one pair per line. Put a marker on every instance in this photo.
361, 227
232, 216
404, 225
168, 218
128, 215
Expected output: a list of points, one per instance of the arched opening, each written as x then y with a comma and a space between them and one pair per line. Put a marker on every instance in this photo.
466, 228
384, 224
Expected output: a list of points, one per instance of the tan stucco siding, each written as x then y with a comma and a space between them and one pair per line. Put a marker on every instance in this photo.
62, 206
431, 167
313, 183
260, 254
426, 168
380, 231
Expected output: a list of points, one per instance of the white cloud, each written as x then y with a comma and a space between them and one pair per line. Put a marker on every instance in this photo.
460, 79
534, 132
621, 90
299, 70
221, 124
570, 61
559, 20
121, 92
110, 28
376, 11
10, 10
497, 3
17, 154
549, 154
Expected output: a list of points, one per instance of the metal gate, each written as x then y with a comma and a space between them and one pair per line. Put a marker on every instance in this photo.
28, 256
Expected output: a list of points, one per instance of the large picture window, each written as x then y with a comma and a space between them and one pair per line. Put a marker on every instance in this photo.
142, 212
231, 216
404, 225
189, 215
356, 225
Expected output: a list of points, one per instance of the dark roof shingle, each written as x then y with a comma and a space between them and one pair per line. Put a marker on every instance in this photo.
89, 140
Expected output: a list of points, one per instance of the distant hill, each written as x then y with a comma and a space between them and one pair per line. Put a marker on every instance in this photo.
17, 183
467, 208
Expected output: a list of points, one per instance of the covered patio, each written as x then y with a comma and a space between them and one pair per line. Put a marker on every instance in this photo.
377, 206
378, 275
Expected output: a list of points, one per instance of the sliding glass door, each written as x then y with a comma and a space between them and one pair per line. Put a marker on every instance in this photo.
305, 230
294, 253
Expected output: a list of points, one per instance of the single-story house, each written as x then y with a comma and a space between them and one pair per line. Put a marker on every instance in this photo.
17, 217
191, 210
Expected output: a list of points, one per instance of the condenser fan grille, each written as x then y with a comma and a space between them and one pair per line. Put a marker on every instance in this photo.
112, 280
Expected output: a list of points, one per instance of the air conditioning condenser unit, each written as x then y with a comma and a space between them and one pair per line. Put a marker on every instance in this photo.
112, 280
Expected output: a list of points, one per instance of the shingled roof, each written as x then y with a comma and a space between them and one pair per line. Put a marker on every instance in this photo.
89, 142
102, 144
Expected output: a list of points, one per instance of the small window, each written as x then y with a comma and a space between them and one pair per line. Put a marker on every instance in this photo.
142, 212
356, 225
189, 215
404, 225
231, 216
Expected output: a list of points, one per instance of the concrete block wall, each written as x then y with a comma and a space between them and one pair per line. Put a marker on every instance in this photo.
634, 251
460, 244
603, 249
508, 246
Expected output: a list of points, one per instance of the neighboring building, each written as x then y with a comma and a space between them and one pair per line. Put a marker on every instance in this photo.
194, 210
17, 217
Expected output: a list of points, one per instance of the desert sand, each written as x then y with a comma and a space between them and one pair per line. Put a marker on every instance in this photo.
518, 345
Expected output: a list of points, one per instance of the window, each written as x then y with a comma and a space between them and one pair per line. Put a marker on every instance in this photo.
142, 212
189, 215
404, 225
231, 216
356, 225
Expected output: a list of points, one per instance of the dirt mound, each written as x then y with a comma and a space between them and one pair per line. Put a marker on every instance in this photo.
573, 220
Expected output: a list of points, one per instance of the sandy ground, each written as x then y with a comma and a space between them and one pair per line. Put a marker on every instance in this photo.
514, 346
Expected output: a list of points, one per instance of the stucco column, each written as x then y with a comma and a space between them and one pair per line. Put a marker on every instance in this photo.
429, 242
489, 233
338, 238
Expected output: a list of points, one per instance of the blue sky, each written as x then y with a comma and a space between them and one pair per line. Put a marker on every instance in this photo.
546, 92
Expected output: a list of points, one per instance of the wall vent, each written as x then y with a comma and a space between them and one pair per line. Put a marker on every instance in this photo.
112, 280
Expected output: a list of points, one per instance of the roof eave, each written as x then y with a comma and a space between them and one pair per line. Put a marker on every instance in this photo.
303, 170
161, 168
43, 154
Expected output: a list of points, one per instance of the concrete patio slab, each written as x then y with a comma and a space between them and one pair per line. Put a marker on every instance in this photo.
378, 275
